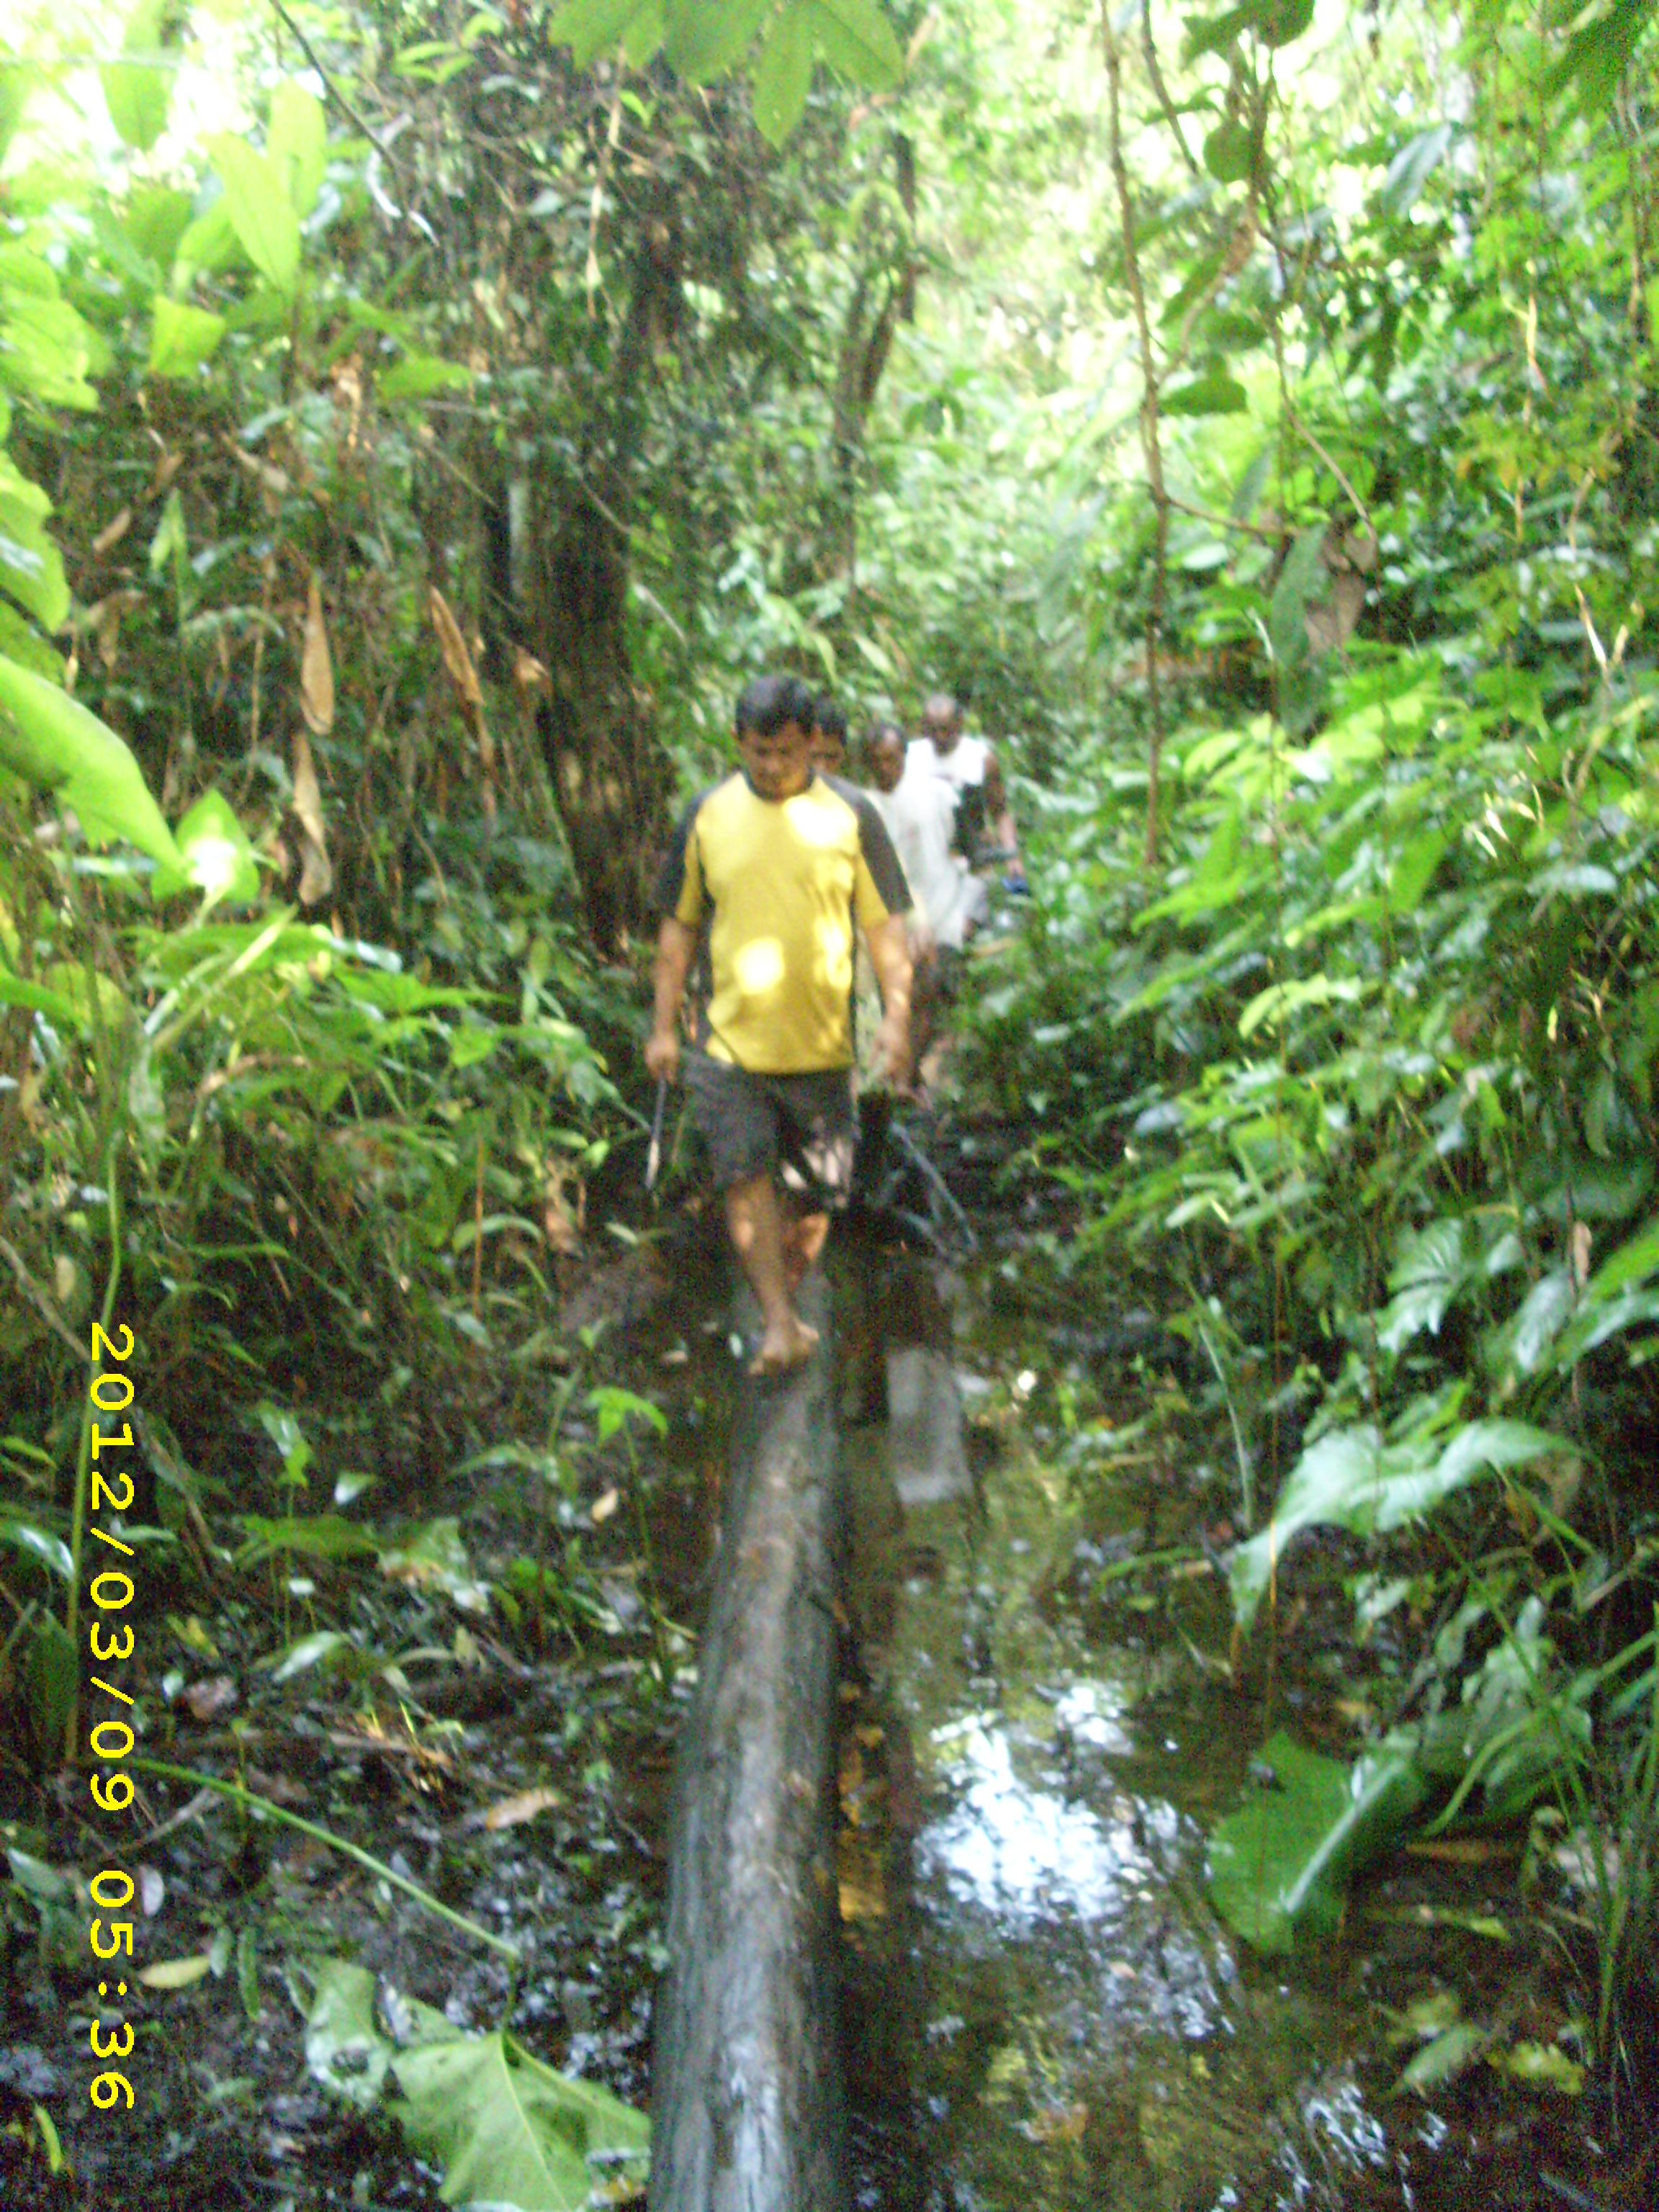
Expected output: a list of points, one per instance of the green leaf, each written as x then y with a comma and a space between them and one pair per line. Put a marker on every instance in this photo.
310, 1651
21, 643
30, 567
61, 1013
51, 741
137, 91
45, 348
1442, 2060
182, 338
1599, 54
38, 1544
209, 243
591, 27
854, 36
431, 1556
1423, 1280
1411, 169
53, 1674
260, 211
1274, 1005
1229, 152
1278, 22
784, 75
218, 856
418, 375
644, 35
1214, 393
703, 40
510, 2130
1279, 1864
1540, 2066
1349, 1479
297, 143
346, 2048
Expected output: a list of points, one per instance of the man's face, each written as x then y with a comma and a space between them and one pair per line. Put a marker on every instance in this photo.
780, 765
943, 725
829, 752
887, 762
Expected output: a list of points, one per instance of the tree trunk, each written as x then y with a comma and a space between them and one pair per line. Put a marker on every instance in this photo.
747, 2105
612, 780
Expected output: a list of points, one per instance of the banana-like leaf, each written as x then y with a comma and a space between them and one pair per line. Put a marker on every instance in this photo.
51, 741
510, 2130
784, 77
1280, 1863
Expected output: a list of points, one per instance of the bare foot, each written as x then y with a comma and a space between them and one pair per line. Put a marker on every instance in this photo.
780, 1349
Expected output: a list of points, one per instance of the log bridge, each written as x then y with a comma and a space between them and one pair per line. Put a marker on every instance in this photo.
747, 2111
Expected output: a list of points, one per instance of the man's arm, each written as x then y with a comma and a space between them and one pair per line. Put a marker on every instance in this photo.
677, 946
889, 956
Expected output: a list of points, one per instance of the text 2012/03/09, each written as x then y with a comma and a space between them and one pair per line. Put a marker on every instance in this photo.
110, 1741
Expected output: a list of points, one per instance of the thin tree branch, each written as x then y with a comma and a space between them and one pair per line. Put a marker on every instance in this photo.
1158, 86
42, 1304
329, 86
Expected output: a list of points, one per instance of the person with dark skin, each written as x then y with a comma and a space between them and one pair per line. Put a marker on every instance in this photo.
970, 764
777, 864
828, 736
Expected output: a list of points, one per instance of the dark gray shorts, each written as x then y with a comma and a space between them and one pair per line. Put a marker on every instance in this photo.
755, 1124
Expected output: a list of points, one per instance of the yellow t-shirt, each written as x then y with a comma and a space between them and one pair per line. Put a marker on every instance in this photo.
779, 883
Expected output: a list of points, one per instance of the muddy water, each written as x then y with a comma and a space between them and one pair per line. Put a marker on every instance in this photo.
1043, 2012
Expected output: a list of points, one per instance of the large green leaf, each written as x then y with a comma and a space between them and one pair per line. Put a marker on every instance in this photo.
1280, 1863
512, 2131
137, 90
45, 348
260, 211
297, 142
50, 740
591, 27
508, 2130
854, 36
702, 41
1352, 1479
218, 856
346, 2048
784, 75
182, 338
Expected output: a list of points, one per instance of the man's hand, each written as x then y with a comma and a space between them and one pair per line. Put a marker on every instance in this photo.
662, 1055
893, 1048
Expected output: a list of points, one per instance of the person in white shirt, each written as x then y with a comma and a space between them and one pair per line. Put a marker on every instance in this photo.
948, 901
969, 766
918, 809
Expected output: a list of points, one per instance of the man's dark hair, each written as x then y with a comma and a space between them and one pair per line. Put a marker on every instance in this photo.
765, 704
830, 716
880, 734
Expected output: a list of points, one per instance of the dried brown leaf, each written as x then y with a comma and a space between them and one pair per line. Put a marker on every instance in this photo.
316, 872
317, 668
514, 1811
214, 1695
112, 533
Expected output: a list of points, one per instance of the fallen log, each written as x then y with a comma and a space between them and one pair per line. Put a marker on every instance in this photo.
746, 2106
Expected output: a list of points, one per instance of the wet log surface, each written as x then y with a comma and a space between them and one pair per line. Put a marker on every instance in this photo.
747, 2107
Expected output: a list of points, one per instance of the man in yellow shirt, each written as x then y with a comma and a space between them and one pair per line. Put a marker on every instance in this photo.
775, 864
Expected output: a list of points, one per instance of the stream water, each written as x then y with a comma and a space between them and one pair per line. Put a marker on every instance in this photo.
1043, 2011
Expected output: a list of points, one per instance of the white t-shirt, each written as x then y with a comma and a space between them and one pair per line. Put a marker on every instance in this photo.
963, 766
919, 812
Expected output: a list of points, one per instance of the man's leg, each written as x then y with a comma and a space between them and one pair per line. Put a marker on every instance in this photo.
754, 1218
